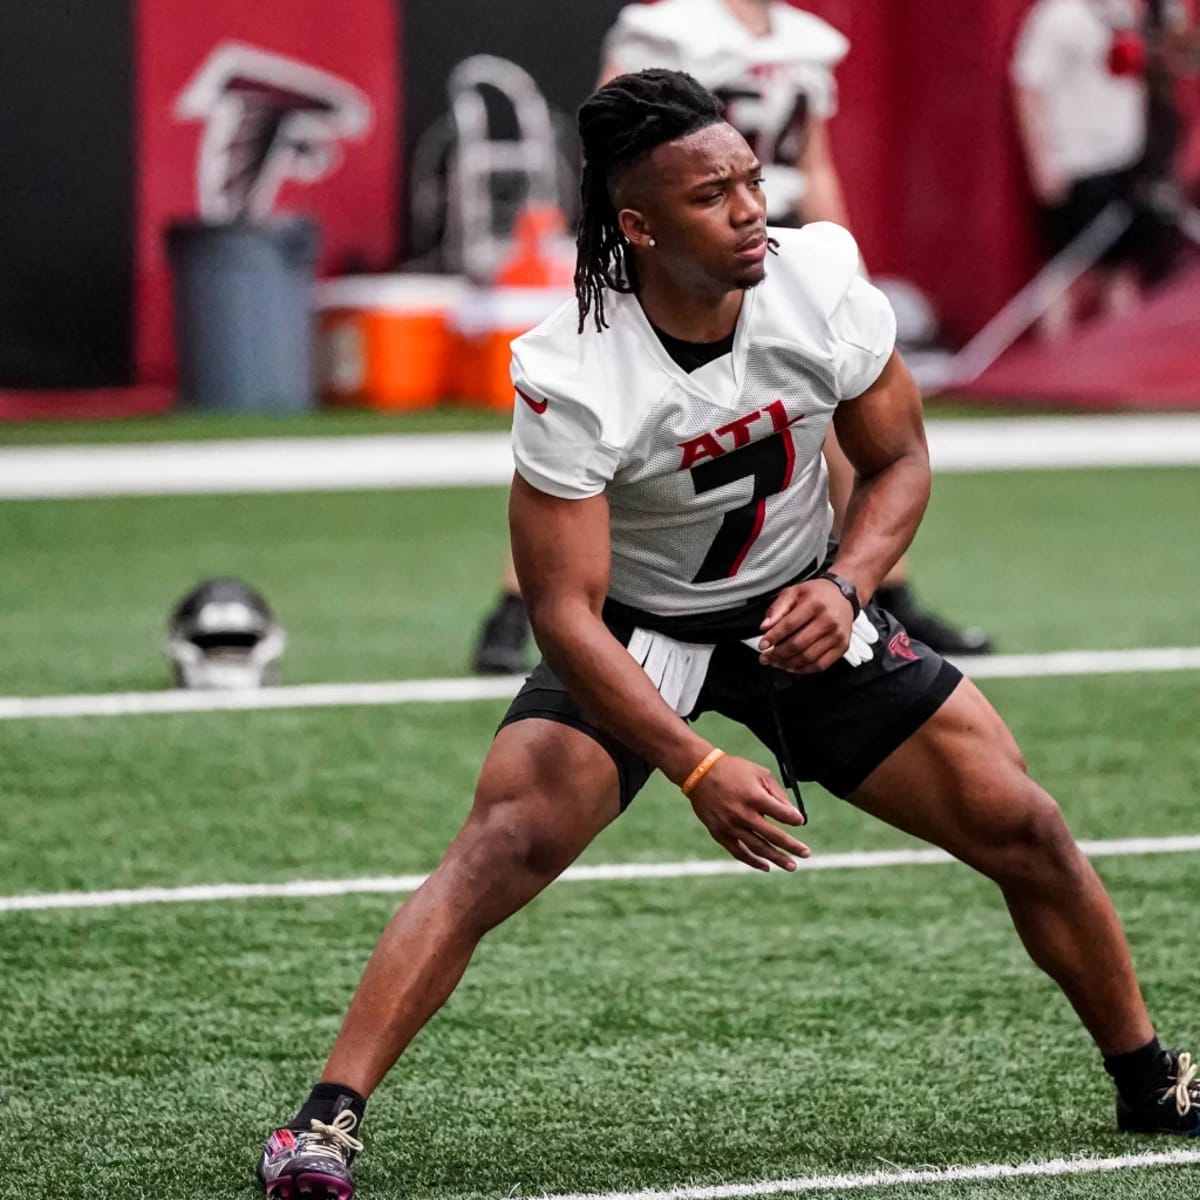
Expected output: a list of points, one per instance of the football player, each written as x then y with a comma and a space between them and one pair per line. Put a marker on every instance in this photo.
772, 68
671, 531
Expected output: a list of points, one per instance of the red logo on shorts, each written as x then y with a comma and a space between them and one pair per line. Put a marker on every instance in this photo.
899, 647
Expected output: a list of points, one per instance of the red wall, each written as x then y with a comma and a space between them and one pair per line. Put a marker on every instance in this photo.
925, 140
356, 201
927, 147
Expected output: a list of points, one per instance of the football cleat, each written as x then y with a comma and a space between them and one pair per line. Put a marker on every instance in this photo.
504, 640
1171, 1107
929, 628
313, 1163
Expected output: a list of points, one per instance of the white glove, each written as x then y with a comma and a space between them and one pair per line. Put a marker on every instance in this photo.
863, 635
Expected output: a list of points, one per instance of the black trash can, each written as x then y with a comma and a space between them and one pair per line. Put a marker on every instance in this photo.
244, 314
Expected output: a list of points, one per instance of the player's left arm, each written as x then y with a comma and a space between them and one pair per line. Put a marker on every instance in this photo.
823, 199
807, 628
883, 435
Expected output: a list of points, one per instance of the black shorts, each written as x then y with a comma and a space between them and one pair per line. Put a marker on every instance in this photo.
838, 725
1149, 241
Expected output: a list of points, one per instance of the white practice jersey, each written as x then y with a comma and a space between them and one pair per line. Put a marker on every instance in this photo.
1095, 121
771, 86
716, 486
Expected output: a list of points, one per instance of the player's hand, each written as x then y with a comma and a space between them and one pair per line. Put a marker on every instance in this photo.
738, 800
807, 628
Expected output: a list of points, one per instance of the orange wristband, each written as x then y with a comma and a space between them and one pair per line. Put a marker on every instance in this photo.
703, 767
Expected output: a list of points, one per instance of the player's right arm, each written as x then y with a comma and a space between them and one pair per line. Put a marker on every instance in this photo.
561, 550
823, 199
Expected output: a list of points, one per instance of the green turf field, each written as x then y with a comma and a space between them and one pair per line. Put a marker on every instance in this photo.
391, 585
616, 1036
189, 427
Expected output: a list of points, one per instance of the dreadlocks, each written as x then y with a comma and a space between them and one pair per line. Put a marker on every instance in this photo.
618, 123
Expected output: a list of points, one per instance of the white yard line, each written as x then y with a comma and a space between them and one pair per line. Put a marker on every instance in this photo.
255, 465
1081, 662
474, 459
390, 885
906, 1178
440, 691
316, 695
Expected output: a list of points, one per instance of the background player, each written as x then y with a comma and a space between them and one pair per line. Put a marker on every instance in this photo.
772, 67
669, 507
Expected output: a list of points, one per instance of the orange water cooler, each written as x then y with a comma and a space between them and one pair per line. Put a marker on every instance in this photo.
387, 341
485, 323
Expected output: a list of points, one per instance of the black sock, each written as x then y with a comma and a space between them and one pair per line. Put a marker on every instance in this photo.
324, 1103
1137, 1073
894, 596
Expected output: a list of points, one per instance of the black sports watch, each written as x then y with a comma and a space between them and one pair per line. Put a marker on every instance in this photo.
846, 588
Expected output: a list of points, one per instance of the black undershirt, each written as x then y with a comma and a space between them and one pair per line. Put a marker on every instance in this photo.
691, 356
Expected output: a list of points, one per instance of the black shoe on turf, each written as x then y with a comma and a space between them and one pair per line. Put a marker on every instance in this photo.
926, 627
312, 1163
503, 640
1171, 1106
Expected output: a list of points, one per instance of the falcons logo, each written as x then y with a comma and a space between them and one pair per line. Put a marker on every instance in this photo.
267, 119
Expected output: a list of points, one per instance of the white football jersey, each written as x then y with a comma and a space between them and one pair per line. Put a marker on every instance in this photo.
716, 486
1094, 121
770, 86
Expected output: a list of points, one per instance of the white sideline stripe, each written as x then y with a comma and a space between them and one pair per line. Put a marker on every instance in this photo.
305, 889
504, 687
1081, 662
883, 1179
256, 465
357, 463
315, 695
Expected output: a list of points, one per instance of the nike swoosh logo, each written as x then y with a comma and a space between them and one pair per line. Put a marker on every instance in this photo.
538, 406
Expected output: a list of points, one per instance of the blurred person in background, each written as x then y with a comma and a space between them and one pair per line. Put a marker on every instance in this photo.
772, 67
1099, 126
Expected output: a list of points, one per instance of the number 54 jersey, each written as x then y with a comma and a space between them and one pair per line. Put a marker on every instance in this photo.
716, 487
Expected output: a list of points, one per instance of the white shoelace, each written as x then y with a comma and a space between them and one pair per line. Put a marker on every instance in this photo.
333, 1141
1181, 1089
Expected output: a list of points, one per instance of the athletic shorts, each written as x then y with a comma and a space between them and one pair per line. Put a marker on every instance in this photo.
838, 725
1148, 243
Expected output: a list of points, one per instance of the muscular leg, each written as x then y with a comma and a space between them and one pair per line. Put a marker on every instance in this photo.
960, 783
545, 792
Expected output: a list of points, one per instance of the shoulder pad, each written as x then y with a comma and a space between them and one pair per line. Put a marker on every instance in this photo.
823, 257
662, 20
814, 40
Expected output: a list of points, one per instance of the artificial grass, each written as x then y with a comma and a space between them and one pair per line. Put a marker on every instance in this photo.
183, 426
612, 1036
385, 585
242, 797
